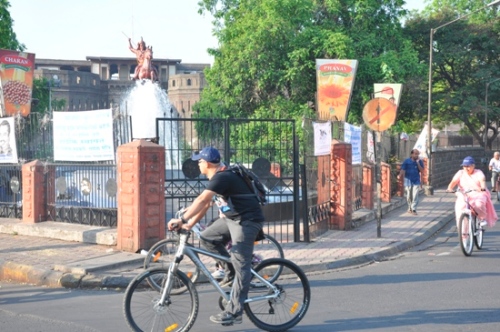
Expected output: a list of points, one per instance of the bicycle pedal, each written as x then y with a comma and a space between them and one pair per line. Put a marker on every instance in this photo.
227, 324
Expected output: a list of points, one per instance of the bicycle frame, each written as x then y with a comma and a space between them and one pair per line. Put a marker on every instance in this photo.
192, 252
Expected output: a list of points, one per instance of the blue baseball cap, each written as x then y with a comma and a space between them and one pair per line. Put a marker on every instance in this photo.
468, 161
208, 154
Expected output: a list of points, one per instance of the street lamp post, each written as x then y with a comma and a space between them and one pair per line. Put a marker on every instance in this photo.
429, 190
486, 113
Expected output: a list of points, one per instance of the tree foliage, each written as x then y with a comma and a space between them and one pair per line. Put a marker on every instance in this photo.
465, 59
8, 39
265, 63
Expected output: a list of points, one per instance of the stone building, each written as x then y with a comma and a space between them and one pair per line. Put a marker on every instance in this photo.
100, 82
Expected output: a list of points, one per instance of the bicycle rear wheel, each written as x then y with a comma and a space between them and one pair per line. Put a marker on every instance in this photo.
289, 307
465, 234
161, 255
265, 249
478, 234
144, 311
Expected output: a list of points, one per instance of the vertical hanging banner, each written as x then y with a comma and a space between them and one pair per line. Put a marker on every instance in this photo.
352, 134
16, 74
322, 138
334, 83
8, 148
83, 136
388, 91
421, 144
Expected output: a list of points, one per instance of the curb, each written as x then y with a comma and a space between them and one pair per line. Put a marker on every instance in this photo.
442, 221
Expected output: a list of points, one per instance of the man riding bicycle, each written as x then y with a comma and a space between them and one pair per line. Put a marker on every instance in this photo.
241, 222
470, 178
494, 167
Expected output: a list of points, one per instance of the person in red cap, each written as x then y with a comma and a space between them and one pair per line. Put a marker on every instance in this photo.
470, 178
240, 221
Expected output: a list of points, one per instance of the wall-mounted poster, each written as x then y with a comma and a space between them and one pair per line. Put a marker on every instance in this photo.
83, 136
16, 74
334, 80
322, 138
8, 149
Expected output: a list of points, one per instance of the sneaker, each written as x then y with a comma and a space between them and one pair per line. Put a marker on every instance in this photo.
227, 281
414, 213
218, 274
225, 318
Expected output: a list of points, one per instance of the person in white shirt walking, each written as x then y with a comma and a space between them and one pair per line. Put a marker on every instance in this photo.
495, 170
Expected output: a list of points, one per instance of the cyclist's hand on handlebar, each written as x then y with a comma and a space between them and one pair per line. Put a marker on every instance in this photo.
174, 224
450, 191
177, 224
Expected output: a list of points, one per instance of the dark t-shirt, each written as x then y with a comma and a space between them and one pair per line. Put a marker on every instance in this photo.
235, 199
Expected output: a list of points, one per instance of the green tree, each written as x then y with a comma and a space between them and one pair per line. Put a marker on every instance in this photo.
265, 63
8, 39
465, 59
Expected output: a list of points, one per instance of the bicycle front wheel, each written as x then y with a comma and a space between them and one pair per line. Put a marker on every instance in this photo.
478, 234
291, 304
144, 310
161, 254
465, 234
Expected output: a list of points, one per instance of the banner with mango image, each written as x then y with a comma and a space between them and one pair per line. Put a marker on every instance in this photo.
335, 81
16, 76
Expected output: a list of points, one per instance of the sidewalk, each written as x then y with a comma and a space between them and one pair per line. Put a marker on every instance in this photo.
59, 255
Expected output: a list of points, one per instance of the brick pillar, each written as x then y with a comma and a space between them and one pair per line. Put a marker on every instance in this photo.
424, 175
276, 170
341, 176
368, 186
33, 192
141, 195
400, 192
385, 170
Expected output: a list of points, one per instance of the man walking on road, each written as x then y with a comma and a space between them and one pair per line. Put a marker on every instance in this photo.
410, 171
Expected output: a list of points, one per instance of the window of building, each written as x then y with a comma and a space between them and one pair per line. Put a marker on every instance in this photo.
173, 82
189, 82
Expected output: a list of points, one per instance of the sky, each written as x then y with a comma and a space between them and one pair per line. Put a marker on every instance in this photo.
73, 30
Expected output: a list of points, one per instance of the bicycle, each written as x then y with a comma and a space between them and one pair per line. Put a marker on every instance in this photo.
497, 188
276, 302
470, 230
163, 252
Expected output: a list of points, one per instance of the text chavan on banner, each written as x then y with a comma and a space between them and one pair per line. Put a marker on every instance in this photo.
352, 134
83, 136
334, 80
421, 144
322, 138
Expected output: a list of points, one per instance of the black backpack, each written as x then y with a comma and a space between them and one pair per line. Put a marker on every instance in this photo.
252, 181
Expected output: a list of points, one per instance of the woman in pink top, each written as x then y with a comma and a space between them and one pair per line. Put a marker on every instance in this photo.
470, 178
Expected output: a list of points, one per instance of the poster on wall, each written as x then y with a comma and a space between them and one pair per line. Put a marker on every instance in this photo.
16, 75
8, 148
83, 136
334, 83
352, 135
322, 138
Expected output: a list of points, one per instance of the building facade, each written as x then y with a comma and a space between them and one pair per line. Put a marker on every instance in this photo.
101, 82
